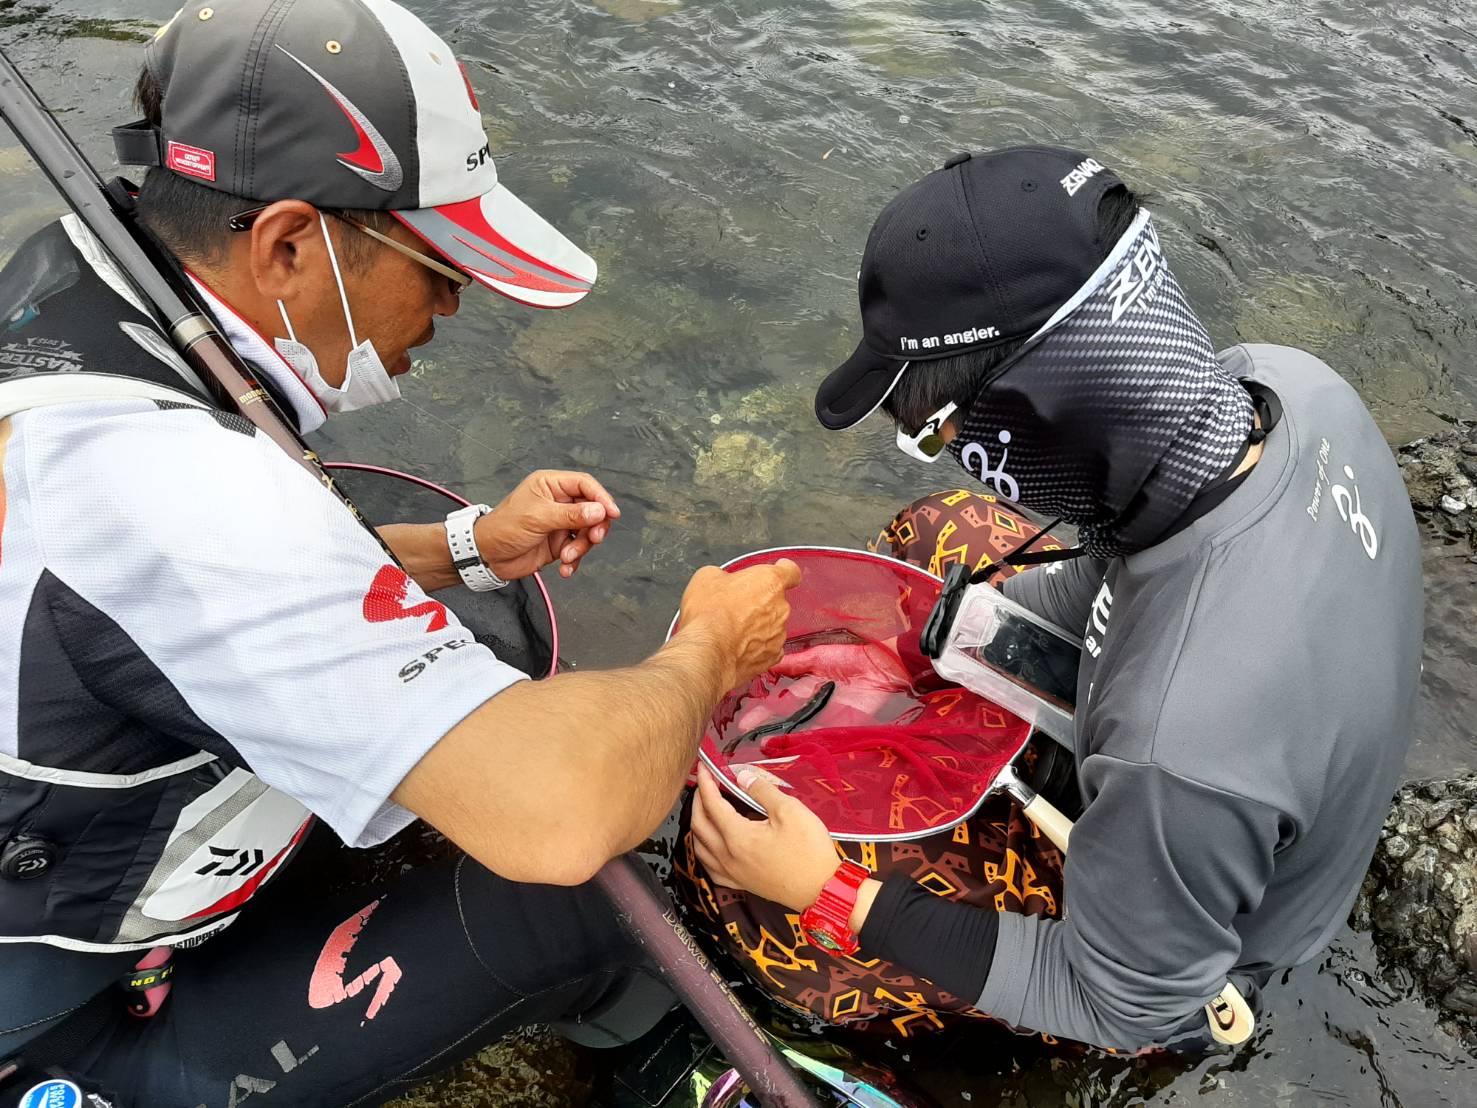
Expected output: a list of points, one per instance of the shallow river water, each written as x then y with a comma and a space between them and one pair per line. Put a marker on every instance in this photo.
1313, 167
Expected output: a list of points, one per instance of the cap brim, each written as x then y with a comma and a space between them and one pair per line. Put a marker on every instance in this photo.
857, 388
507, 246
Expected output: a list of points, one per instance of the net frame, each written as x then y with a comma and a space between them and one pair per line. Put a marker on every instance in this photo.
999, 760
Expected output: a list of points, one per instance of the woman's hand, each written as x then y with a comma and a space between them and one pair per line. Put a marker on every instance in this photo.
785, 858
552, 516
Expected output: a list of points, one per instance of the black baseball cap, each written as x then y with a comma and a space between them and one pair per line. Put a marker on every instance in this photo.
347, 104
976, 254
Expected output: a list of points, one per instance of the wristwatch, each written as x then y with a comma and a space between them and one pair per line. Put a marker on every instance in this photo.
828, 921
474, 572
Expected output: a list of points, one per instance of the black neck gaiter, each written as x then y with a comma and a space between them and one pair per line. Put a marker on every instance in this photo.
1116, 414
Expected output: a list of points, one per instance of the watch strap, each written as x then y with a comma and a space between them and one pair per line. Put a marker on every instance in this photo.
828, 920
474, 572
838, 895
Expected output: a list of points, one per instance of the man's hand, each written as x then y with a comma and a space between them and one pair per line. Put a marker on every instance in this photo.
549, 780
552, 516
785, 858
744, 613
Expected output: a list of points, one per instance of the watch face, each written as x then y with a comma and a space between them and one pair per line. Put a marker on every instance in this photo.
824, 941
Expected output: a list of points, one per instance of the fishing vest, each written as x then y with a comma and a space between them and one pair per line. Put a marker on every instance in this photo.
165, 855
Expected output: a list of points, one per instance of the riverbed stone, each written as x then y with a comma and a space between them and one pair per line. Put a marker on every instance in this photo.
1419, 897
739, 458
1440, 474
530, 1068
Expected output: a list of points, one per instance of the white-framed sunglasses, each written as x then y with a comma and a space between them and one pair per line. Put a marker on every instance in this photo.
928, 442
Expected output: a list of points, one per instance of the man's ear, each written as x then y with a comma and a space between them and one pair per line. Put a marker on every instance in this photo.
286, 248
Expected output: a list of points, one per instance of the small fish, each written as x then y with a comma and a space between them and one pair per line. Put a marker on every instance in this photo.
783, 726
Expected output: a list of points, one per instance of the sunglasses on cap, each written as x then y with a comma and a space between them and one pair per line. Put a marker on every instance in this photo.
928, 442
459, 281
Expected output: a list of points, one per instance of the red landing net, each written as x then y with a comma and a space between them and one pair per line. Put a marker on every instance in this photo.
853, 720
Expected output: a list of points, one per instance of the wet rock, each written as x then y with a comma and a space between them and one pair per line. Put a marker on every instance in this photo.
1420, 896
1440, 474
1461, 998
531, 1068
741, 459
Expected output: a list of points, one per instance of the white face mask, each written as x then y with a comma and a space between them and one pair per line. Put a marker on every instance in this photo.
366, 381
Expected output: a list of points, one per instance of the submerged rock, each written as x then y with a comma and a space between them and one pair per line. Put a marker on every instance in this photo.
740, 459
1420, 895
1440, 474
531, 1068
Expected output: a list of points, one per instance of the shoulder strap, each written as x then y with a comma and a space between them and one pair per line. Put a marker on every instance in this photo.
65, 308
47, 389
1020, 555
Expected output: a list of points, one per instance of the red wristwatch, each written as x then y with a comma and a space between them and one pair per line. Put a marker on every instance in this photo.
828, 920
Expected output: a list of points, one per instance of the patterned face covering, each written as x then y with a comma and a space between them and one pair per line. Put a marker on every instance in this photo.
1116, 414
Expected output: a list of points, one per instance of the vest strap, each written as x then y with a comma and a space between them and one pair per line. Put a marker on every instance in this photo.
45, 390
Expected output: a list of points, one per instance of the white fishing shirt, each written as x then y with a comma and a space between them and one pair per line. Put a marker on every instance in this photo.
171, 583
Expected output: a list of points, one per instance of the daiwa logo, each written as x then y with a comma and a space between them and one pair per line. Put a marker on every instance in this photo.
1086, 170
1097, 624
241, 862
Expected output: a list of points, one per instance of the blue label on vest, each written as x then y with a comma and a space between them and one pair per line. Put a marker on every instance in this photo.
52, 1094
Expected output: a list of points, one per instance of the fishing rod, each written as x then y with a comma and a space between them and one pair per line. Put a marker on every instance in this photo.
233, 385
627, 882
172, 302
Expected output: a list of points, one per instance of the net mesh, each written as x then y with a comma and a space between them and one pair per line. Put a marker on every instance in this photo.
853, 721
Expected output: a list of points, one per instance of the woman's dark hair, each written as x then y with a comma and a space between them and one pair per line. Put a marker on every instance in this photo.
190, 219
928, 386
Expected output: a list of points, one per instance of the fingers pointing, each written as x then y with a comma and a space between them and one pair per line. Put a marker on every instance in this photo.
789, 573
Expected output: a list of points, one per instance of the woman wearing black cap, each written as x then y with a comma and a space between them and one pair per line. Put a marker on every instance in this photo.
1248, 594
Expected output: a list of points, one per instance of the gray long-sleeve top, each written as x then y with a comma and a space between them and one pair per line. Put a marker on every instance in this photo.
1245, 704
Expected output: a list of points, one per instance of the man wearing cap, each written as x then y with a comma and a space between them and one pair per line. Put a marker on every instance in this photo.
204, 650
1248, 594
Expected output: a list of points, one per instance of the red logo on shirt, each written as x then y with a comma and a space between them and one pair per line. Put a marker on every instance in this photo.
386, 597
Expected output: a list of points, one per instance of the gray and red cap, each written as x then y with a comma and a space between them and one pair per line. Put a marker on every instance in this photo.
347, 104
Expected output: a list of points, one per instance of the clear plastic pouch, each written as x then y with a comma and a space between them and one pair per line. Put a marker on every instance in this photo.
1007, 654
